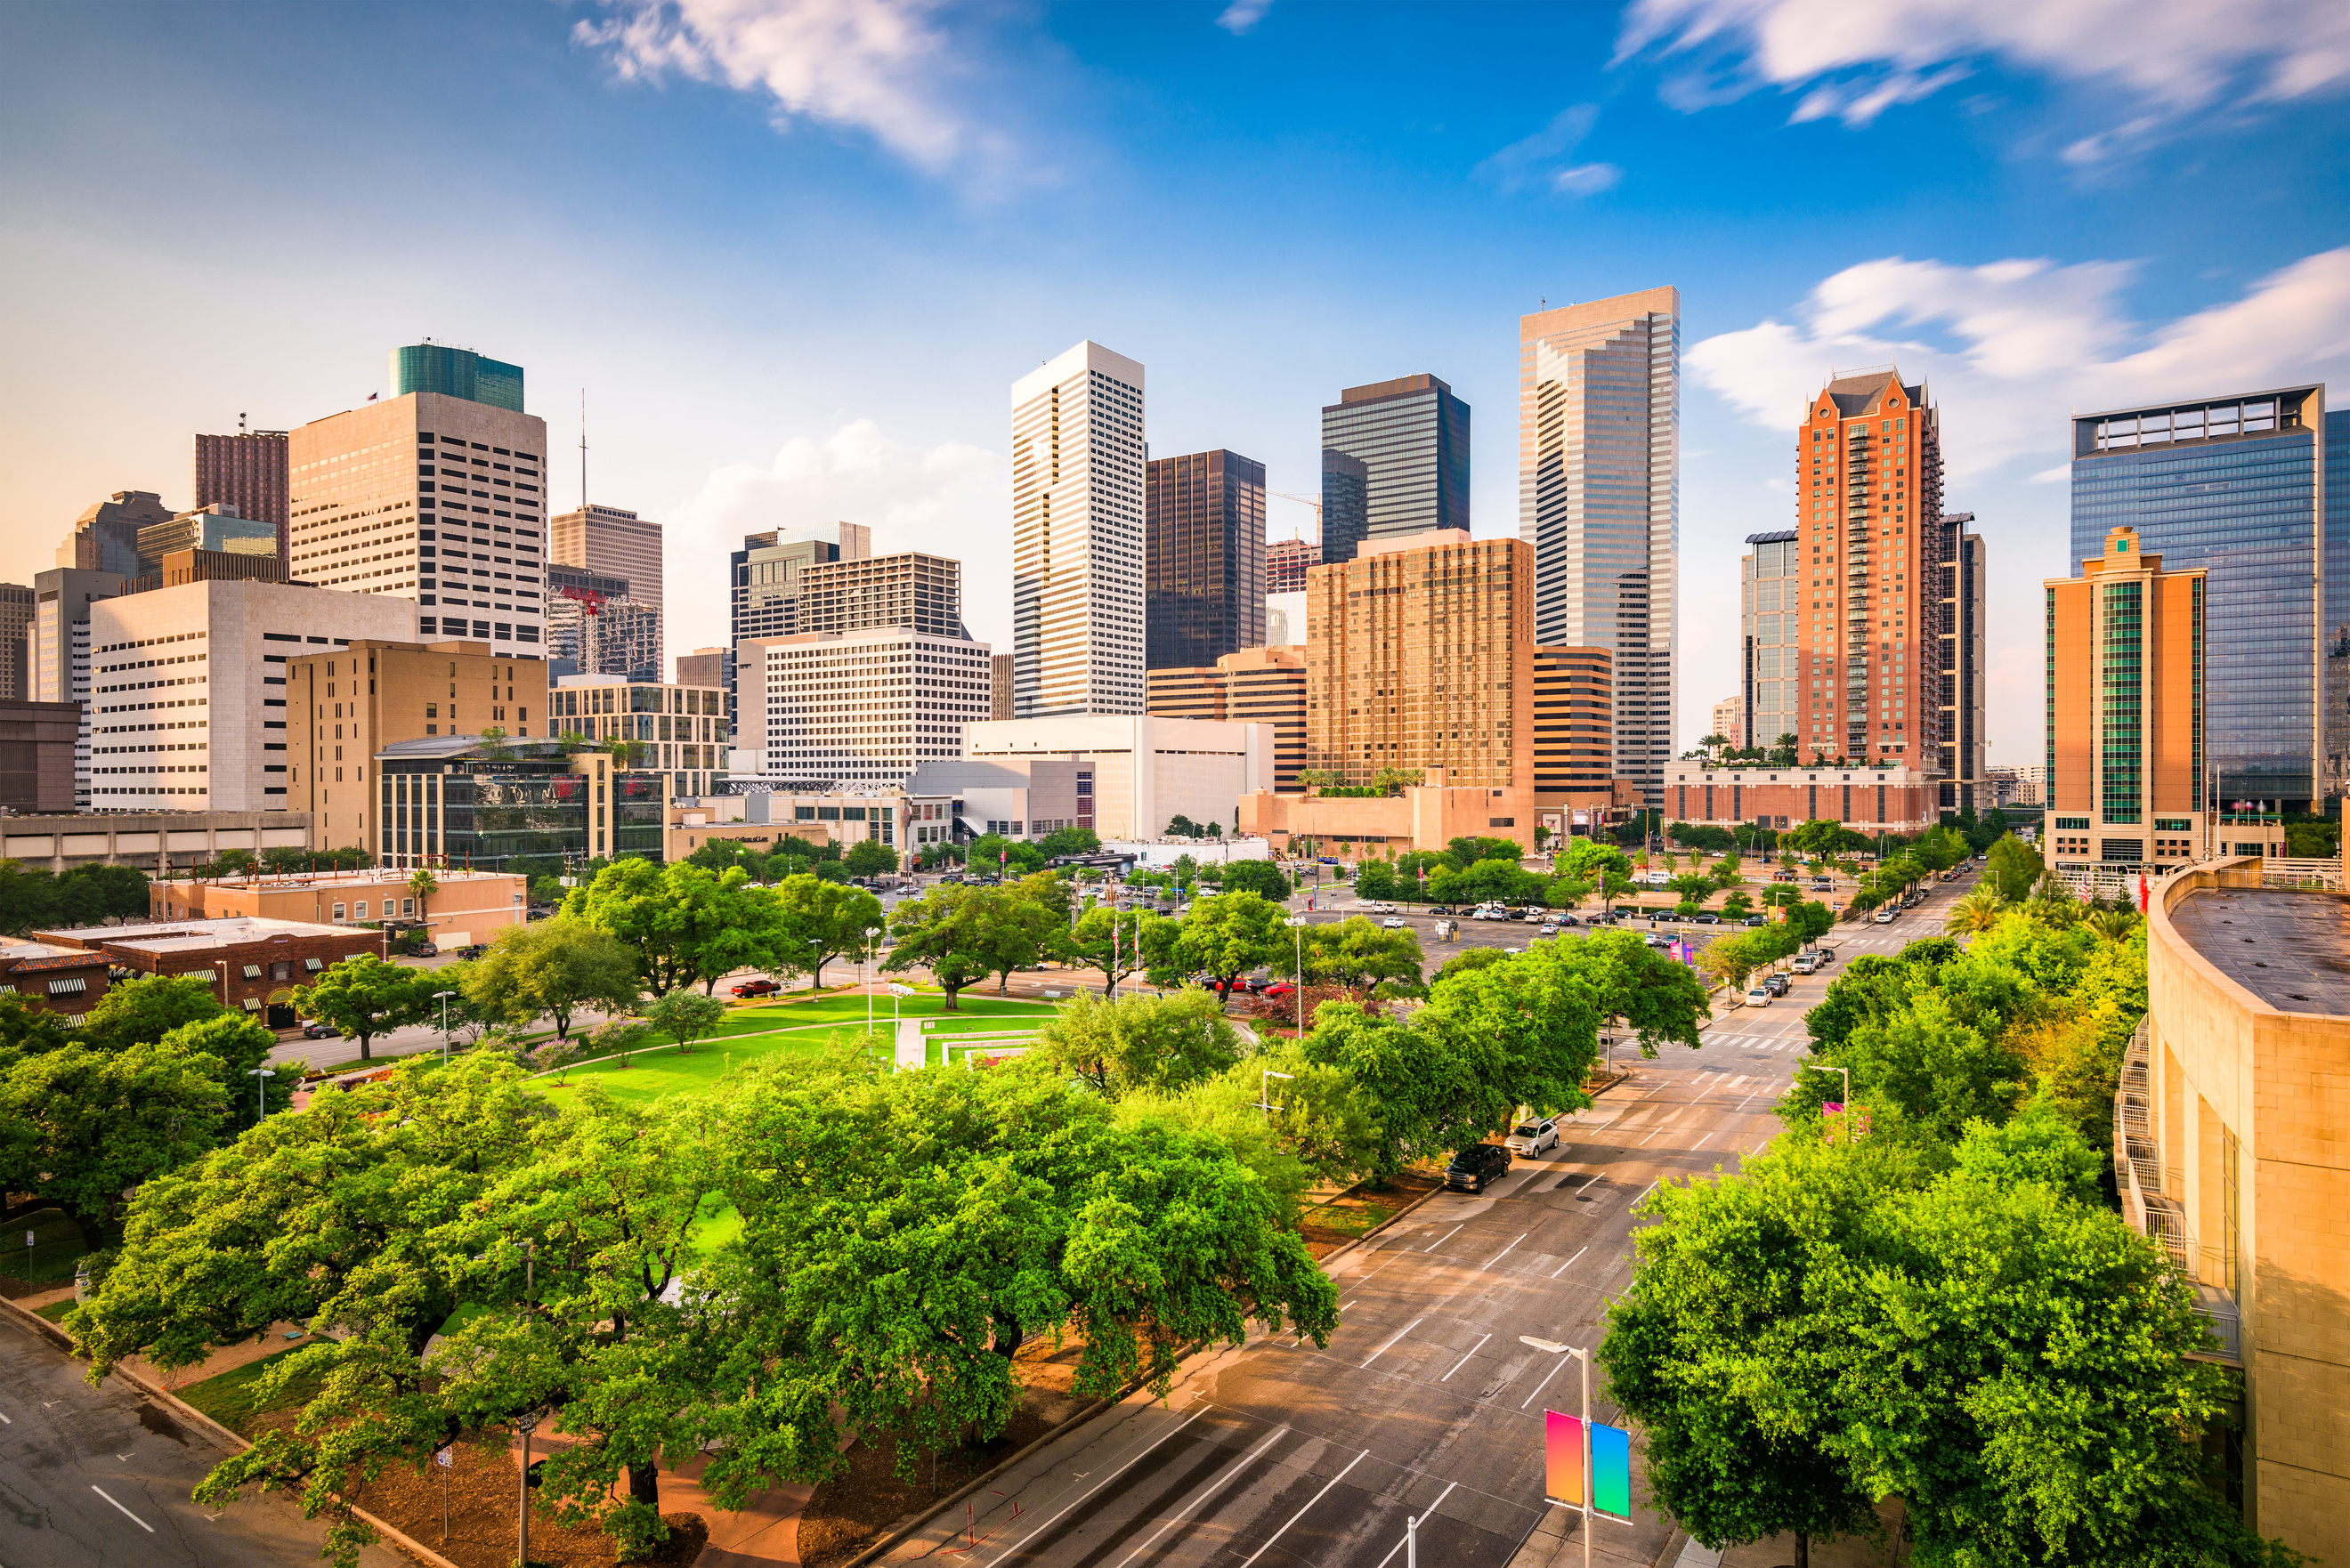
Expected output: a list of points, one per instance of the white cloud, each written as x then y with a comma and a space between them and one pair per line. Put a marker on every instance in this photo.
938, 499
2011, 347
1539, 158
882, 67
1857, 61
1242, 15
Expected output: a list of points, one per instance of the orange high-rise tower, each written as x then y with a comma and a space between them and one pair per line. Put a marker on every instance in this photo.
1875, 551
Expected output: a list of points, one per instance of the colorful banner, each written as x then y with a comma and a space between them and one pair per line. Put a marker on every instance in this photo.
1610, 1490
1562, 1459
1611, 1470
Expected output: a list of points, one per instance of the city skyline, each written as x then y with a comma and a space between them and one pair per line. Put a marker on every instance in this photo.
2047, 254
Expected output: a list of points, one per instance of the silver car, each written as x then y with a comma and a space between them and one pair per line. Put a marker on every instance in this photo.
1530, 1138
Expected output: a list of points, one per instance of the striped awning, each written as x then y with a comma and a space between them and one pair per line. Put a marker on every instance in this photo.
251, 1006
68, 984
252, 972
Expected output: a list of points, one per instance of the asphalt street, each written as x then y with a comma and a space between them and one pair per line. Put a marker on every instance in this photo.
99, 1478
1429, 1400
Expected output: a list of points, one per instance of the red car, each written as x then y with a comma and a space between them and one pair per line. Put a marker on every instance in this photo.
757, 988
1279, 988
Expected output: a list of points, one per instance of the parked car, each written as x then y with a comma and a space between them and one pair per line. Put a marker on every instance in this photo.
1758, 995
1782, 875
757, 988
1779, 984
428, 950
1277, 990
1757, 920
1565, 920
1528, 1139
1441, 909
1548, 929
1705, 919
1395, 923
316, 1032
1805, 964
1658, 939
1476, 1165
1885, 917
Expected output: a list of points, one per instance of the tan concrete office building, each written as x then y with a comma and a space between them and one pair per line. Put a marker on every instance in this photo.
1421, 654
2231, 1147
909, 588
681, 728
613, 542
1574, 723
1255, 686
2125, 713
349, 703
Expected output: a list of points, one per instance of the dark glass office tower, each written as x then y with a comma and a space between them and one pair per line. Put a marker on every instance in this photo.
2237, 486
1203, 558
1411, 435
456, 373
2337, 602
1345, 505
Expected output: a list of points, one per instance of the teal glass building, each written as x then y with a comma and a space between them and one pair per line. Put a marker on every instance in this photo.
456, 373
2241, 486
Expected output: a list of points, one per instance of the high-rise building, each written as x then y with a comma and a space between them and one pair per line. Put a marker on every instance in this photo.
353, 700
188, 694
1077, 624
613, 543
62, 601
217, 526
1203, 557
432, 497
861, 707
1962, 761
246, 471
1421, 656
1254, 686
911, 589
15, 642
1575, 721
105, 538
1411, 435
2126, 672
1729, 721
1286, 562
596, 625
1599, 502
2240, 485
1877, 562
1345, 516
2337, 602
1284, 619
679, 730
1769, 583
707, 667
435, 368
1000, 668
766, 575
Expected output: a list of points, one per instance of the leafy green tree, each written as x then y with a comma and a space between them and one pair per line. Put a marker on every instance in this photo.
1375, 880
550, 968
241, 1044
1262, 878
1227, 936
27, 1027
363, 997
649, 908
1356, 954
1117, 943
958, 934
80, 1126
1182, 827
1070, 841
146, 1009
2015, 869
685, 1016
821, 921
870, 857
1467, 850
1162, 1044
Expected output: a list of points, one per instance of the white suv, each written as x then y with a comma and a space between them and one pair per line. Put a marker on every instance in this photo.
1530, 1138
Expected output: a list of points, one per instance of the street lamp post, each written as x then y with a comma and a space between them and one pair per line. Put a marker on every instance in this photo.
442, 998
870, 932
1585, 1505
260, 1105
1823, 1067
1297, 930
1264, 1091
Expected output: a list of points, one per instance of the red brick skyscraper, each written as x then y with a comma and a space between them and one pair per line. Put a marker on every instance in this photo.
247, 470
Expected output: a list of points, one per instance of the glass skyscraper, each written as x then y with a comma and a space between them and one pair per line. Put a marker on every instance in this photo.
456, 373
2337, 602
1203, 558
1411, 435
2238, 486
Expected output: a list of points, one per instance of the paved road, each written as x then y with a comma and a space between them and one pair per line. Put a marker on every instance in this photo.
1428, 1400
99, 1478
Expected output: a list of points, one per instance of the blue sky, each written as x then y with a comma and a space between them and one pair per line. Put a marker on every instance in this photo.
796, 250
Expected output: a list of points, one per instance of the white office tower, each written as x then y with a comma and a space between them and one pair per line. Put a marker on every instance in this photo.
1599, 500
1076, 536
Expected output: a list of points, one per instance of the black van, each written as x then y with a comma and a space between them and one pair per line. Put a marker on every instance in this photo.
1475, 1166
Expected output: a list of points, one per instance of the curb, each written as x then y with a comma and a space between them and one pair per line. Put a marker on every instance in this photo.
898, 1533
181, 1410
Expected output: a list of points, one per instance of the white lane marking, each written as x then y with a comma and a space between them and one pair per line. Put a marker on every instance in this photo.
1446, 1237
1310, 1502
1213, 1488
1529, 1400
125, 1512
1464, 1360
1383, 1349
1113, 1475
1500, 1255
5, 1422
1423, 1518
1659, 1133
1699, 1143
1569, 1264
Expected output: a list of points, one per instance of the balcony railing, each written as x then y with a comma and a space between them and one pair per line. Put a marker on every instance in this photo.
2137, 1174
2276, 871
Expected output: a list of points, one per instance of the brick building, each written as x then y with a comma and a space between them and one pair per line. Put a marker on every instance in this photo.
253, 965
1867, 800
52, 976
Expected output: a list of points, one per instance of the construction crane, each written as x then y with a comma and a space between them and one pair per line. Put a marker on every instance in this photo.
1313, 500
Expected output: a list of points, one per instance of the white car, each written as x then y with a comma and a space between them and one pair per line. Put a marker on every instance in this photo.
1396, 923
1547, 930
1885, 917
1760, 996
1530, 1138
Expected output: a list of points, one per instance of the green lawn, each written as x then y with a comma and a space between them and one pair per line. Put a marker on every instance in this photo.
232, 1398
57, 1248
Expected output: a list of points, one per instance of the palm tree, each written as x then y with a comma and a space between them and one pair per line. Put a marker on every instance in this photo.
1977, 911
422, 884
2114, 925
2052, 903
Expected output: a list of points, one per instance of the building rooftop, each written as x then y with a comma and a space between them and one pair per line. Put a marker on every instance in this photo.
276, 881
2291, 950
43, 955
194, 936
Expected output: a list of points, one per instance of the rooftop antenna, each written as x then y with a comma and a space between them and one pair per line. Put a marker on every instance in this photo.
583, 449
240, 422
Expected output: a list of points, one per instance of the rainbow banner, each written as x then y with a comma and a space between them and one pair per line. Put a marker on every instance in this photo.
1610, 1490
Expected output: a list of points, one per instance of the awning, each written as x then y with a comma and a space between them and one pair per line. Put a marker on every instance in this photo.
252, 972
69, 985
251, 1006
313, 965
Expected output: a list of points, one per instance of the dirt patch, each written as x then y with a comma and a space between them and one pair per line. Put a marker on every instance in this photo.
1326, 1226
476, 1497
848, 1513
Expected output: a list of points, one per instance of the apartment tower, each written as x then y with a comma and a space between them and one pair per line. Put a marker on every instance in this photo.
2125, 675
1574, 721
1203, 558
433, 496
17, 603
1411, 436
246, 471
1078, 605
1770, 581
1421, 654
2240, 485
1599, 502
